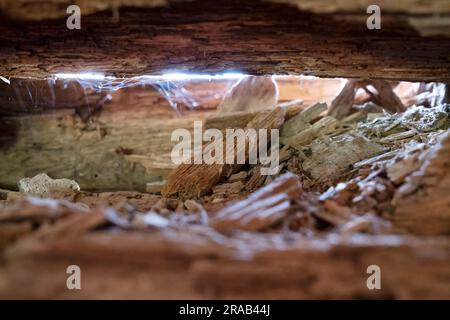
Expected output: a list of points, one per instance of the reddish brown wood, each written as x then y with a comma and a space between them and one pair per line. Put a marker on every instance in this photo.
216, 36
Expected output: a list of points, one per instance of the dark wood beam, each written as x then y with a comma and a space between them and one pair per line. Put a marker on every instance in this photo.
215, 36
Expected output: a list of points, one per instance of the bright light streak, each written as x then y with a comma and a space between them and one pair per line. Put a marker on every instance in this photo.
177, 76
5, 80
172, 76
82, 76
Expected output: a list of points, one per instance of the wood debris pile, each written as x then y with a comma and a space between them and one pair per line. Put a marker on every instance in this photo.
346, 175
343, 172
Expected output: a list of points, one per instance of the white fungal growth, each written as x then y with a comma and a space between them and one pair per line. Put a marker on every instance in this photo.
42, 184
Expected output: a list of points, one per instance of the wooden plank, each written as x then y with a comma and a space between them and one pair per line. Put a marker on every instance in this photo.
215, 36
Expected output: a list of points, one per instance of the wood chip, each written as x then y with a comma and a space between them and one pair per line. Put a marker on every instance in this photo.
194, 180
322, 127
229, 188
302, 120
384, 95
238, 176
155, 187
39, 210
358, 224
422, 202
380, 91
262, 209
293, 107
323, 165
342, 104
256, 179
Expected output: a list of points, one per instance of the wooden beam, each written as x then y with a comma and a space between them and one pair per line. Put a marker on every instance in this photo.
215, 36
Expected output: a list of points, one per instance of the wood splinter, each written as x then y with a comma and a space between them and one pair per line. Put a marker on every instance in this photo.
380, 92
261, 209
194, 180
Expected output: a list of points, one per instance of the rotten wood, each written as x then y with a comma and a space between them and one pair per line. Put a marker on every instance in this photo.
342, 104
422, 202
195, 180
198, 269
254, 37
262, 209
117, 136
384, 96
110, 142
200, 261
380, 93
252, 93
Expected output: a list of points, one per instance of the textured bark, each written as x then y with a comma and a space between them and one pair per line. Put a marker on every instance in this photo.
214, 36
420, 14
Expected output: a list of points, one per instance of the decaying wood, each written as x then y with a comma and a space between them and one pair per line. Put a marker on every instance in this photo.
394, 180
198, 268
422, 202
302, 120
229, 188
28, 9
25, 96
261, 209
116, 138
408, 6
431, 26
342, 104
71, 228
111, 142
406, 186
324, 126
11, 232
28, 96
154, 187
421, 14
419, 119
281, 237
430, 95
198, 260
252, 93
256, 179
52, 9
238, 176
324, 166
194, 180
384, 96
329, 149
380, 91
255, 37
